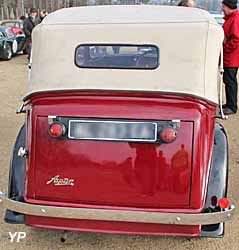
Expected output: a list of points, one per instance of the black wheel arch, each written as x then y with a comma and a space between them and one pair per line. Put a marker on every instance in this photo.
218, 177
16, 178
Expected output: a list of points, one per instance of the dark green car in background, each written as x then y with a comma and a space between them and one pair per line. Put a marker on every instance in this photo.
8, 44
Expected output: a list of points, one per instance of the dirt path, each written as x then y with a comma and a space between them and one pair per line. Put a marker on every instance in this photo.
13, 76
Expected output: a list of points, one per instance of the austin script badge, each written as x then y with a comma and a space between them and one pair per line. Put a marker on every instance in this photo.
57, 181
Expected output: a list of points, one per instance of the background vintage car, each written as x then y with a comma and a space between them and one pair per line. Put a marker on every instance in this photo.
218, 16
15, 27
13, 23
8, 44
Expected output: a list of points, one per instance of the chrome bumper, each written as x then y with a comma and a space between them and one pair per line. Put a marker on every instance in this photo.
117, 215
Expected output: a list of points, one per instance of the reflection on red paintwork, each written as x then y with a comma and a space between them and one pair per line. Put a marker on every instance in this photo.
180, 165
146, 169
127, 174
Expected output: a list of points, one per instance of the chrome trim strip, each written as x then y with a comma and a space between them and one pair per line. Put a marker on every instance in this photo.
114, 139
51, 119
117, 215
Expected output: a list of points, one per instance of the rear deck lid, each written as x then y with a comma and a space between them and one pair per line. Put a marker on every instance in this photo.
119, 162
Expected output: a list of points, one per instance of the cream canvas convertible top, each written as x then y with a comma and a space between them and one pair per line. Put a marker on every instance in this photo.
189, 41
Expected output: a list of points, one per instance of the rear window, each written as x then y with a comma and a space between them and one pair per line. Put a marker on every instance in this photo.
117, 56
9, 24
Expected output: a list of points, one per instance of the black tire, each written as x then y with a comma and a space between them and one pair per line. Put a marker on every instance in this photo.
24, 51
7, 52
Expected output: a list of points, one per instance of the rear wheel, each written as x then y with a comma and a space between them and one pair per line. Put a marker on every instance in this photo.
24, 47
14, 47
7, 52
25, 51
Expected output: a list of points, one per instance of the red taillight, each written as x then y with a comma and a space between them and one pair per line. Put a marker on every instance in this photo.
224, 203
57, 129
168, 135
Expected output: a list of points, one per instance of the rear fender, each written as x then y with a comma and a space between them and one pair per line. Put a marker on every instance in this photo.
218, 178
16, 178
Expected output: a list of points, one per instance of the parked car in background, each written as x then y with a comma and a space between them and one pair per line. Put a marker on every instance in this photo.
120, 132
12, 23
8, 44
218, 16
15, 27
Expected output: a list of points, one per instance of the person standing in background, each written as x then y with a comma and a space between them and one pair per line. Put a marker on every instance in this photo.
22, 18
42, 15
28, 25
187, 3
231, 54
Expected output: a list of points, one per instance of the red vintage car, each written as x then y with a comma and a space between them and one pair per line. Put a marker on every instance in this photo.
120, 134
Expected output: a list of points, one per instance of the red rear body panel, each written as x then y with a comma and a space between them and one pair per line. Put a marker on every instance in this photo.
120, 175
151, 175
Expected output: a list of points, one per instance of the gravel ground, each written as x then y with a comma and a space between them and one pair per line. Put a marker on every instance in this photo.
13, 77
